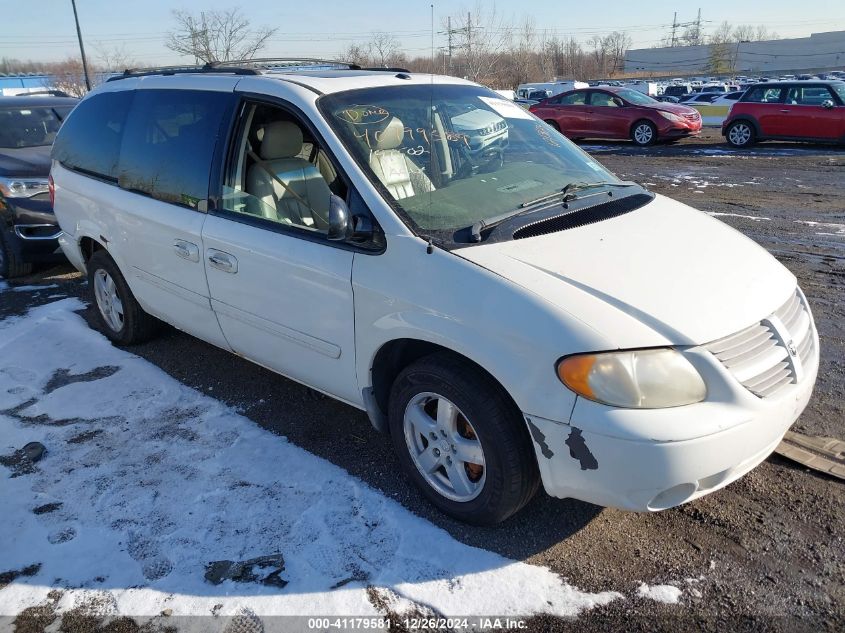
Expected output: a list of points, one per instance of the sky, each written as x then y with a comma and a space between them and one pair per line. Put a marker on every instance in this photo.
44, 30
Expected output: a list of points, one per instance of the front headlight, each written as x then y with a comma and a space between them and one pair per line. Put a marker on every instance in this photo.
672, 117
635, 379
12, 187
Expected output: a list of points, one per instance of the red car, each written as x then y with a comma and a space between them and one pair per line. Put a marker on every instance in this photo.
791, 111
617, 113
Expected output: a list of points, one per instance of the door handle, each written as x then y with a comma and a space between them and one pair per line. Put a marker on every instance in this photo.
785, 111
222, 261
187, 250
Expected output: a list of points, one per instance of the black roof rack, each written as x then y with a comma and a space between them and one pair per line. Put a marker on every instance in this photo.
250, 67
52, 93
388, 69
180, 70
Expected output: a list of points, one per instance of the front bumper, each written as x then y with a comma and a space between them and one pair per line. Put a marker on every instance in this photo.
580, 461
32, 229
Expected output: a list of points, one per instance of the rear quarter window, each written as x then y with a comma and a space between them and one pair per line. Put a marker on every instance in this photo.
762, 94
169, 142
89, 141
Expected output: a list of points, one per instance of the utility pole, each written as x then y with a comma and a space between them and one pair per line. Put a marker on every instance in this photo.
449, 31
698, 27
469, 33
81, 47
674, 29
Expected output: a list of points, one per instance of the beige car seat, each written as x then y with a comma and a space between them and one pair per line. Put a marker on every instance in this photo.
305, 198
398, 173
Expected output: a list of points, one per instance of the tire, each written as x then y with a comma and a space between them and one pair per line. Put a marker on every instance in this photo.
740, 134
485, 420
644, 133
553, 125
11, 265
110, 290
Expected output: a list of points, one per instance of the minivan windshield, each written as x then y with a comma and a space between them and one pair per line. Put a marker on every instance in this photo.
30, 126
450, 156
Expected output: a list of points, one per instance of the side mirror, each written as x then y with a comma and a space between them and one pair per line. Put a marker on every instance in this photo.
618, 102
339, 226
343, 226
828, 103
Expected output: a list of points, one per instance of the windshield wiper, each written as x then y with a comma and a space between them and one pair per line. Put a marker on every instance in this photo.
566, 194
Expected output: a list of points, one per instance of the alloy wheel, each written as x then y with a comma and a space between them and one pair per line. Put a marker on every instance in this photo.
444, 447
108, 301
643, 134
740, 134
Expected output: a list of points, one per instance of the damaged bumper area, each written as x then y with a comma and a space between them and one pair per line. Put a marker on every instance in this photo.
654, 459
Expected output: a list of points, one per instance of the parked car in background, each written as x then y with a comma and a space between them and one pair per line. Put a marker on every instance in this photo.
486, 134
547, 89
794, 111
714, 112
28, 228
617, 113
505, 328
526, 103
678, 90
700, 97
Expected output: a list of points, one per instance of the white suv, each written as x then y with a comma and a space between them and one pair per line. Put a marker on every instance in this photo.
507, 322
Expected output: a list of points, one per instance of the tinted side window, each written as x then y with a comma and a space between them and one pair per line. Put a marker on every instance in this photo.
761, 94
169, 144
573, 98
808, 95
90, 139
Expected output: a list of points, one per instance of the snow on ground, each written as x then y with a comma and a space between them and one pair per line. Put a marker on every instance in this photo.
146, 481
756, 218
33, 288
661, 593
832, 227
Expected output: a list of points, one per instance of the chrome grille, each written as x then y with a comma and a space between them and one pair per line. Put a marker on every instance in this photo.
771, 354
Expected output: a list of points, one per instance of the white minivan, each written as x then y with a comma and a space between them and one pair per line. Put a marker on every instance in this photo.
508, 322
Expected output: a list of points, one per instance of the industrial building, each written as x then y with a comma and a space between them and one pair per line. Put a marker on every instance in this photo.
817, 53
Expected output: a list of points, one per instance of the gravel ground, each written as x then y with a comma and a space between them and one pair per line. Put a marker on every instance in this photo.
765, 553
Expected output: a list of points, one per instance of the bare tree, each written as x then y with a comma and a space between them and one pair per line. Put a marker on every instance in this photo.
356, 54
482, 39
69, 77
617, 44
115, 57
383, 49
216, 35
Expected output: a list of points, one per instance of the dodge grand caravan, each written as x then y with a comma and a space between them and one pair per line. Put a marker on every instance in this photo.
509, 322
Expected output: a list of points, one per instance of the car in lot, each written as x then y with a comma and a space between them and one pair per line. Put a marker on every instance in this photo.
678, 91
715, 107
28, 228
485, 131
537, 321
617, 113
792, 110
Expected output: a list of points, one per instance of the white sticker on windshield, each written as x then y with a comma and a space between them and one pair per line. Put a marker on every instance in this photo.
507, 109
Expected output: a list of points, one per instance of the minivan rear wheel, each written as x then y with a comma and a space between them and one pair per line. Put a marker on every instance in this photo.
740, 134
461, 440
118, 314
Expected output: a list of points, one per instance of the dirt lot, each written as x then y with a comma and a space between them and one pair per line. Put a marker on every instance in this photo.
766, 553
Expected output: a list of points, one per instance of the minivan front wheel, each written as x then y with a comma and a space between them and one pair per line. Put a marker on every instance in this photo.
461, 440
740, 134
118, 314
